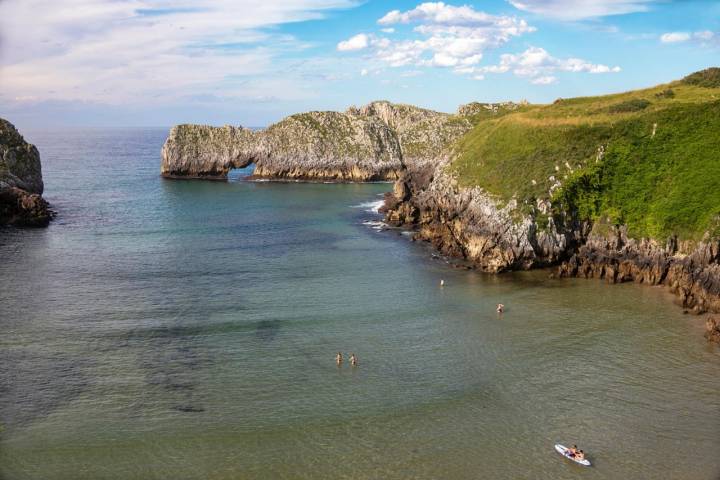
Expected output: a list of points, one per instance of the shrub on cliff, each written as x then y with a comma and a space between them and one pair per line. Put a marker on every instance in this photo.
708, 78
633, 105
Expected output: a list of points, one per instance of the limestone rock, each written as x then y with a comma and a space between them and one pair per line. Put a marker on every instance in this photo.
21, 183
472, 225
712, 329
374, 142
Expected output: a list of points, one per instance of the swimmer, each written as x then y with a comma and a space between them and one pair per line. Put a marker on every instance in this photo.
339, 359
442, 283
353, 360
500, 308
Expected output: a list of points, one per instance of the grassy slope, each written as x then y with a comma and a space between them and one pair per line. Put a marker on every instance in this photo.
658, 185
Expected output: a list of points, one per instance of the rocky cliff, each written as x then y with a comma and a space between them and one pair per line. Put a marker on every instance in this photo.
374, 142
21, 183
473, 225
622, 188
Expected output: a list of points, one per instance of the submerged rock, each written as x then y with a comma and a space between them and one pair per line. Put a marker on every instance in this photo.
21, 183
712, 329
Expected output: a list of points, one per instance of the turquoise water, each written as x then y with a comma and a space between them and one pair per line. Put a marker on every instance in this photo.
185, 330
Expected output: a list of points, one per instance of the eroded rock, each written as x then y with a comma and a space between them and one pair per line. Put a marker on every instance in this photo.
21, 183
374, 142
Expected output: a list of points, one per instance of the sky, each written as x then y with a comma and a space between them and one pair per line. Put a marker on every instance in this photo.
250, 62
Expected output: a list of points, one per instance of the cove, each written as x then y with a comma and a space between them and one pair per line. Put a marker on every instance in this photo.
163, 329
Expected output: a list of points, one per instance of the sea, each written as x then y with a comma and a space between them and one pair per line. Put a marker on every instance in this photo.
170, 329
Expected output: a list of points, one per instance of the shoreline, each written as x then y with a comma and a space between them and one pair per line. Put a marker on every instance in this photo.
433, 217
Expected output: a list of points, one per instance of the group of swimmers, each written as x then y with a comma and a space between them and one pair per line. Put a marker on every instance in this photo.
575, 453
339, 359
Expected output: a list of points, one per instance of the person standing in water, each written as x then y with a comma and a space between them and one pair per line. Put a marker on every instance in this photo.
500, 308
338, 359
353, 360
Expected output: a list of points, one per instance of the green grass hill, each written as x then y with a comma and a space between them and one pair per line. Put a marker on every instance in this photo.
649, 158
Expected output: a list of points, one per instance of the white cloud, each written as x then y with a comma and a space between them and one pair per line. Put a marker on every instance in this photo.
675, 37
539, 66
364, 72
458, 37
439, 13
546, 80
144, 51
536, 62
387, 30
704, 37
580, 9
358, 42
451, 37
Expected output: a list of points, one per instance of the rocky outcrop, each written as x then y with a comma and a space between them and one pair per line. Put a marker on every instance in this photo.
712, 329
21, 183
473, 109
691, 271
472, 225
374, 142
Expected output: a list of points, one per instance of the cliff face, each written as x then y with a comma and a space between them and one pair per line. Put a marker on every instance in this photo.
691, 271
471, 224
375, 142
21, 183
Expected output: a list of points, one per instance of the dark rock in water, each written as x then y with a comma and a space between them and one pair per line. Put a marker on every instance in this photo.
188, 409
712, 329
18, 207
21, 183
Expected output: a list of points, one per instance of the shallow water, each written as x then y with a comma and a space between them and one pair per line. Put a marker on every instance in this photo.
183, 330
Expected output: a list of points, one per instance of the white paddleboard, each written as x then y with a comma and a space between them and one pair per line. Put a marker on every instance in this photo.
566, 453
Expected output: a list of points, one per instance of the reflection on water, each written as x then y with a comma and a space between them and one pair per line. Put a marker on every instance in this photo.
184, 330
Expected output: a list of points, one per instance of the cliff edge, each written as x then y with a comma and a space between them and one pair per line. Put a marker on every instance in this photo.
21, 183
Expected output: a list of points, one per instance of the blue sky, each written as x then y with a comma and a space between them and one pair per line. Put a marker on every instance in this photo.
161, 62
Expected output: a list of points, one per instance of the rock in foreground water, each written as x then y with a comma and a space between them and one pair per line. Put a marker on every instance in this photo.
21, 183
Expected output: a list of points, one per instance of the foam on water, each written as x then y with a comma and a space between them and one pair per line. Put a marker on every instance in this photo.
371, 207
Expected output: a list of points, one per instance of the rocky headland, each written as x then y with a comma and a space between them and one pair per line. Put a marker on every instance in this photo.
620, 187
21, 184
371, 143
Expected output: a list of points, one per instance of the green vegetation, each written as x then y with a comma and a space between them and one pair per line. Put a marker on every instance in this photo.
667, 93
632, 105
708, 78
649, 159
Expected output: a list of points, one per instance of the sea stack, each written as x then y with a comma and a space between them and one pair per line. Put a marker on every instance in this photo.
21, 184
